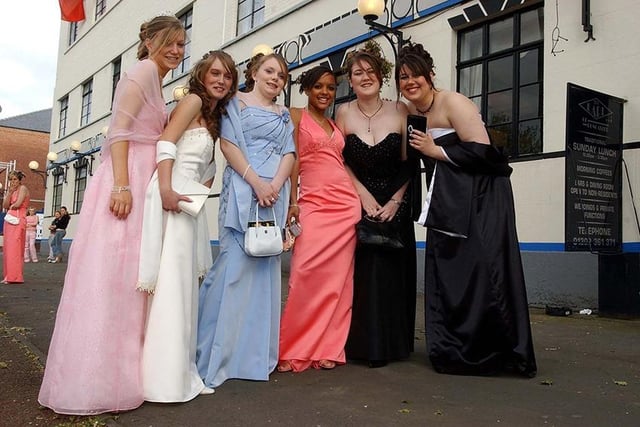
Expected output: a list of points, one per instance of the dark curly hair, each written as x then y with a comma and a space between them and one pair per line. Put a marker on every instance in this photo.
312, 75
254, 64
417, 60
210, 115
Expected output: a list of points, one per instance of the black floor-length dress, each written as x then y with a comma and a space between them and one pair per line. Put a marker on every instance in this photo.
477, 318
383, 317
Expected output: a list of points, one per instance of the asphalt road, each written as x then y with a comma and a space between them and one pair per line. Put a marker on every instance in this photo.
589, 375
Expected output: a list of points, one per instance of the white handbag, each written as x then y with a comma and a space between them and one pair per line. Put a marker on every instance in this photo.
11, 219
263, 238
198, 193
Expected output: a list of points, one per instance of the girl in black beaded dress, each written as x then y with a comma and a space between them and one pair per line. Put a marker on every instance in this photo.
382, 326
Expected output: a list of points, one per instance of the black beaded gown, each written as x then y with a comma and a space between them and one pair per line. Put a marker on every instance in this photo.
384, 298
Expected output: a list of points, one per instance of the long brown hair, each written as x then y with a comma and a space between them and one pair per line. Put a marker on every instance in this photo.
211, 115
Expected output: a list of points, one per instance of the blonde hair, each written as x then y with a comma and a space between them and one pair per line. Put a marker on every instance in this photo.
165, 29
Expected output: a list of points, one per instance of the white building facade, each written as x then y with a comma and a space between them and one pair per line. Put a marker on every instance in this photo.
533, 67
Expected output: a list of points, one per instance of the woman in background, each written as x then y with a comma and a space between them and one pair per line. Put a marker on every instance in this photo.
60, 231
239, 312
52, 235
95, 354
317, 315
15, 202
30, 253
384, 300
176, 249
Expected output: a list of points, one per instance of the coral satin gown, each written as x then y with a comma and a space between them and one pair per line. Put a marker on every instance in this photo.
317, 315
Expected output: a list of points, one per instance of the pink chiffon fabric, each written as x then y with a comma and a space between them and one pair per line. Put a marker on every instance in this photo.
94, 359
316, 318
13, 243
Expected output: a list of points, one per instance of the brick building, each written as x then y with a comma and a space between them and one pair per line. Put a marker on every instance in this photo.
25, 138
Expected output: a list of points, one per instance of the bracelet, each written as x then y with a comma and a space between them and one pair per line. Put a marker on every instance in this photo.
120, 189
246, 170
293, 205
395, 201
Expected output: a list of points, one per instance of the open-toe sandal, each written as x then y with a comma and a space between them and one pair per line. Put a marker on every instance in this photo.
327, 364
285, 366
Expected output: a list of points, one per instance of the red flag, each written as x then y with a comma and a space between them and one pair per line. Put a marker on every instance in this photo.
72, 10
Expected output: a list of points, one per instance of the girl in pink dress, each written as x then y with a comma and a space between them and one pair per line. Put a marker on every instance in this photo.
94, 359
30, 253
317, 315
16, 204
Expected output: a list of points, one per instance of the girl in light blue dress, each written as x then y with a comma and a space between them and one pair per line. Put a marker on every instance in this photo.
239, 306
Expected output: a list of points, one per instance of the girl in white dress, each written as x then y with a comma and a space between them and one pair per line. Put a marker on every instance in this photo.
175, 245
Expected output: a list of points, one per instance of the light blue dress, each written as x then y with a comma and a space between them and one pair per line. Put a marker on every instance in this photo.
239, 306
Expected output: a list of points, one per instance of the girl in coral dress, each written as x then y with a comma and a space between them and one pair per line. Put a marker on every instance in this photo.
16, 204
94, 360
317, 315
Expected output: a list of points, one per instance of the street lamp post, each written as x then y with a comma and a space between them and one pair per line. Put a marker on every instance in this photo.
34, 165
371, 10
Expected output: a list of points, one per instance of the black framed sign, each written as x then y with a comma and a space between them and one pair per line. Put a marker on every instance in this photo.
593, 186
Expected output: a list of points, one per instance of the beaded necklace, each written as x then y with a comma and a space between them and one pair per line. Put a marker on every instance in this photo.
424, 112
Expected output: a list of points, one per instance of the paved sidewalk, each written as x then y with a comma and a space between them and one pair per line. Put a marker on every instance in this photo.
589, 375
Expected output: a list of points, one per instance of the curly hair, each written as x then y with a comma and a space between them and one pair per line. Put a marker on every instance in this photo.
165, 28
371, 53
211, 115
255, 63
308, 78
414, 57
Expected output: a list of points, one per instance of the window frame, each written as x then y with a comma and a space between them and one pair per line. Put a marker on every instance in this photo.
185, 65
255, 13
82, 172
509, 132
73, 32
63, 116
87, 99
116, 72
58, 181
101, 8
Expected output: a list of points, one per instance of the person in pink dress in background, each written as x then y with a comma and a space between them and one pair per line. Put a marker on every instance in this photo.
94, 359
30, 253
317, 315
15, 203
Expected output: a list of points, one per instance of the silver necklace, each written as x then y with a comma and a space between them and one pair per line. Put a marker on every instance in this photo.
369, 117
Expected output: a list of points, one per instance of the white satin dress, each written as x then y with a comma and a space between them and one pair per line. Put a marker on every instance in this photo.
175, 253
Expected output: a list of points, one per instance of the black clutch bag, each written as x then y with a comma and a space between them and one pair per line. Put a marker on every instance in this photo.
376, 233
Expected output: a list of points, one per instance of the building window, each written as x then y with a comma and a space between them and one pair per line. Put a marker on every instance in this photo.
64, 109
73, 32
500, 67
58, 180
81, 167
116, 67
185, 66
101, 8
87, 94
250, 15
344, 94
